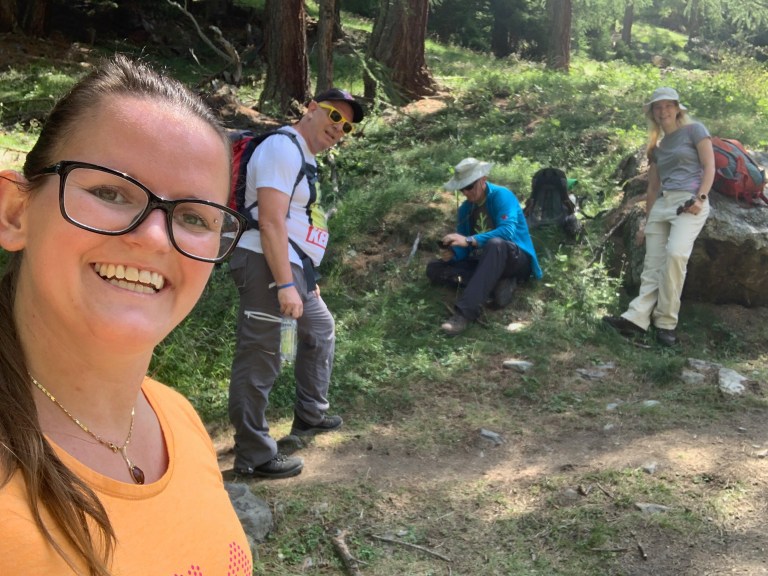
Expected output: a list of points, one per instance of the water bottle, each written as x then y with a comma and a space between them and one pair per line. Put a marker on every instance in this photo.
287, 339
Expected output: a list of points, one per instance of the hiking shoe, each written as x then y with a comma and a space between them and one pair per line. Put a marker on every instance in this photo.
327, 424
456, 324
623, 326
281, 466
503, 292
666, 337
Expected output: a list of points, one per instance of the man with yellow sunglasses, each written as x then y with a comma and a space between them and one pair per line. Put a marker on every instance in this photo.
273, 268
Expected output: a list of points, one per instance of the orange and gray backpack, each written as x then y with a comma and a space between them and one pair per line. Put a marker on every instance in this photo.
736, 173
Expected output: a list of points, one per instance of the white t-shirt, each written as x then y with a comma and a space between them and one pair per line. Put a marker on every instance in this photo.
276, 163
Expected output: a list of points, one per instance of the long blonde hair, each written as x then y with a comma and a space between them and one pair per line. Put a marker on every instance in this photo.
655, 132
74, 507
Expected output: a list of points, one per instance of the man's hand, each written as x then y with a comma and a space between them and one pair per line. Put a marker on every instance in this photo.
455, 240
290, 302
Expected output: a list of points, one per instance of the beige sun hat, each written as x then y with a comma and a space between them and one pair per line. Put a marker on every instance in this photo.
466, 172
663, 93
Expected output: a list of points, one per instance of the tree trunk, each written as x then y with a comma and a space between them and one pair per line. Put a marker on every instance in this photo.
559, 52
8, 21
626, 29
325, 36
501, 42
396, 52
694, 21
33, 17
287, 80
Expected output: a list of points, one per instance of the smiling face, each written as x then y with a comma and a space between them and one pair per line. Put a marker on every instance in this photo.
665, 113
90, 289
317, 128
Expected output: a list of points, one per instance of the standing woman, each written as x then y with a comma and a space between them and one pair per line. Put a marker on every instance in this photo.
682, 168
114, 227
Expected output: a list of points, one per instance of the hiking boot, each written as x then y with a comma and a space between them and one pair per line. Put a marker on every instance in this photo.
327, 424
666, 337
281, 466
456, 324
503, 292
623, 326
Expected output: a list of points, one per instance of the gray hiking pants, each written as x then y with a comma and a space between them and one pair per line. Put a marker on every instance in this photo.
256, 363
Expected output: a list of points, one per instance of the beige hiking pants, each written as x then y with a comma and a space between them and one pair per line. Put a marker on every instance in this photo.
669, 241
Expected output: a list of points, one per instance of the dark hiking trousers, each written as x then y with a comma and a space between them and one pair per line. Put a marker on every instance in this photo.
499, 259
256, 363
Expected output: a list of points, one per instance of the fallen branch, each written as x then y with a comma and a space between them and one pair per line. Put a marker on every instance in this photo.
409, 545
350, 562
604, 491
414, 248
640, 547
608, 550
607, 237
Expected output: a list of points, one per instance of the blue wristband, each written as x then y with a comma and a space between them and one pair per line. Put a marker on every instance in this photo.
281, 286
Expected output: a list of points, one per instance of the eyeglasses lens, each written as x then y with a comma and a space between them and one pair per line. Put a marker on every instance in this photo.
108, 203
468, 187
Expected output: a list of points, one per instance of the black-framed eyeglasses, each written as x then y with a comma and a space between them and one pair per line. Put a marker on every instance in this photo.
469, 187
109, 202
337, 117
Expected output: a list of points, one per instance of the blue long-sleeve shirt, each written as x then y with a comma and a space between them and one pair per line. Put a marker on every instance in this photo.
507, 222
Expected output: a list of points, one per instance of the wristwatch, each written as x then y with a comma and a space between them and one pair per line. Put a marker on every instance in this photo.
703, 197
469, 240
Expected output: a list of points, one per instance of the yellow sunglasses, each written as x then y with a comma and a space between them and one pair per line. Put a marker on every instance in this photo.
337, 118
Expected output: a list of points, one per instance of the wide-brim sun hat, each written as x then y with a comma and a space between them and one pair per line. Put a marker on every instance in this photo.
663, 93
466, 172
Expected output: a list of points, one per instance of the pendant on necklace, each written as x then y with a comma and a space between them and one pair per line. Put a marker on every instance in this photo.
137, 474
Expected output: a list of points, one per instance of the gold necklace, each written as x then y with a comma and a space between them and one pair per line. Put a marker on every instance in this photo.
136, 473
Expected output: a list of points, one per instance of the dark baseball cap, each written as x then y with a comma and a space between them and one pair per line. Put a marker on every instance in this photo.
337, 94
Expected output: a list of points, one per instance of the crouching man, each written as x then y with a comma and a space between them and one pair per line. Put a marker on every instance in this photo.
491, 249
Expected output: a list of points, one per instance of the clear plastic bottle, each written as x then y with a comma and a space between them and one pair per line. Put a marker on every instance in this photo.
287, 339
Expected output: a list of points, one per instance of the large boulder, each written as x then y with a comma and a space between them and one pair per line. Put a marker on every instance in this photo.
729, 263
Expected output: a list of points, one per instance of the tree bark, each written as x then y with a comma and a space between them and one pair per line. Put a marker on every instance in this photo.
33, 18
501, 41
287, 80
396, 60
325, 35
626, 28
8, 21
559, 52
694, 21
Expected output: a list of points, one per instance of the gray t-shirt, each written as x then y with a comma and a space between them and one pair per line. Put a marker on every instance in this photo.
677, 158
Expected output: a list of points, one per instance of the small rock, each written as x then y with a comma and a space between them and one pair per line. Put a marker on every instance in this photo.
519, 365
648, 508
597, 372
731, 382
608, 427
761, 453
612, 406
693, 378
702, 365
516, 326
650, 403
492, 436
254, 514
650, 467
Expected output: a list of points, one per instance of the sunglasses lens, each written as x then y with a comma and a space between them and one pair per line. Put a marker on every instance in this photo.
335, 116
346, 127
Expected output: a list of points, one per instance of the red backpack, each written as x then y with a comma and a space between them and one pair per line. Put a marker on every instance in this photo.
736, 173
244, 142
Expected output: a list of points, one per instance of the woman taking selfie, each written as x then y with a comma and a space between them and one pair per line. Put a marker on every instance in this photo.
113, 227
